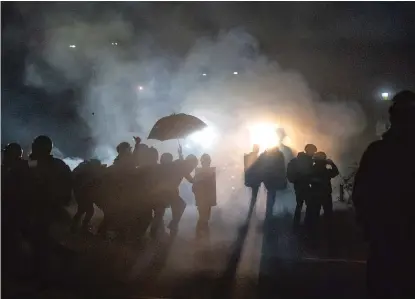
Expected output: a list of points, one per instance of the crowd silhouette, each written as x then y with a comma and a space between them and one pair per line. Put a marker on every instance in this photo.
135, 191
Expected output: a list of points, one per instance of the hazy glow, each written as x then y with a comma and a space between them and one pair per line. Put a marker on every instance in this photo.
264, 134
205, 137
72, 46
140, 87
385, 95
204, 74
235, 73
114, 44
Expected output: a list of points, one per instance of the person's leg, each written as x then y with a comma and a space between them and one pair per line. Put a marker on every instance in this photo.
298, 208
271, 194
177, 208
157, 222
254, 196
89, 213
81, 210
328, 212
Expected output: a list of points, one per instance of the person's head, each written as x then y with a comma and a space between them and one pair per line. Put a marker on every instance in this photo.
166, 158
281, 134
205, 160
402, 111
42, 146
255, 148
320, 156
12, 151
152, 156
310, 149
123, 148
191, 162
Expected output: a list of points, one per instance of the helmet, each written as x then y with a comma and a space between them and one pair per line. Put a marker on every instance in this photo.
13, 150
205, 159
192, 160
42, 144
166, 158
320, 156
122, 147
403, 107
310, 148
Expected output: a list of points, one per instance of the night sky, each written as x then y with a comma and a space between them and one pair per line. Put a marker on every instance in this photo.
342, 49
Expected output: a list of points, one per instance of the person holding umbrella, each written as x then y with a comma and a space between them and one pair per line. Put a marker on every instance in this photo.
176, 126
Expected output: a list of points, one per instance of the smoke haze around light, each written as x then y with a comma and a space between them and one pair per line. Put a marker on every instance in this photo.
223, 79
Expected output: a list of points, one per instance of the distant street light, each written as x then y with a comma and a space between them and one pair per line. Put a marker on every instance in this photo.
385, 96
235, 73
204, 74
140, 87
72, 46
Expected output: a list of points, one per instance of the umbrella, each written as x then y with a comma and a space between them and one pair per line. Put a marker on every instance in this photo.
175, 126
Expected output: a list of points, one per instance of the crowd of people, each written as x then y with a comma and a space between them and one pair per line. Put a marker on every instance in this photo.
135, 191
310, 173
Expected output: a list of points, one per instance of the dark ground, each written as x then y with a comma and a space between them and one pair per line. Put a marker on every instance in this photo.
254, 262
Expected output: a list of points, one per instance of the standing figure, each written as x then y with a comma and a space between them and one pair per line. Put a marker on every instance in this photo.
271, 166
384, 199
88, 181
252, 175
323, 171
204, 188
299, 172
51, 181
179, 170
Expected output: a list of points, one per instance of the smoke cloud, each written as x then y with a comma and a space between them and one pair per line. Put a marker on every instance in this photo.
129, 81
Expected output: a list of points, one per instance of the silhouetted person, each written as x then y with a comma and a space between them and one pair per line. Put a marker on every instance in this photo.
273, 173
14, 197
384, 198
323, 171
52, 190
88, 180
150, 210
204, 188
252, 175
161, 193
181, 169
299, 172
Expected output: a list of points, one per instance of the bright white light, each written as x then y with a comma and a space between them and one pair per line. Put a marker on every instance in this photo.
385, 95
205, 137
265, 135
204, 74
114, 44
72, 46
235, 73
140, 87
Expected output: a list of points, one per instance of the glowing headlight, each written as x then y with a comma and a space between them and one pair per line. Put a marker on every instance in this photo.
265, 135
205, 137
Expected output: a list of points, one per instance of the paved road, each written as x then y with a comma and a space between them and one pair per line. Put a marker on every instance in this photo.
242, 259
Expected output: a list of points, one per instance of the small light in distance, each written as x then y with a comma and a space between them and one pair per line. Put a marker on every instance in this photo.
114, 44
140, 88
235, 73
72, 46
204, 74
385, 95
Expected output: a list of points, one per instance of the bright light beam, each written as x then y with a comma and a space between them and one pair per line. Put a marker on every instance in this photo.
205, 137
385, 95
265, 135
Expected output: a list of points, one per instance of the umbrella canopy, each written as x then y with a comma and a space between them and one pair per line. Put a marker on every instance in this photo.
175, 126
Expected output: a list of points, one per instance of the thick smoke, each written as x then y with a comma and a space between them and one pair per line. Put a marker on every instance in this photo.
223, 79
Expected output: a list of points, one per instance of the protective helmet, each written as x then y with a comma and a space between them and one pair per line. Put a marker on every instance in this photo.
42, 144
122, 147
13, 150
